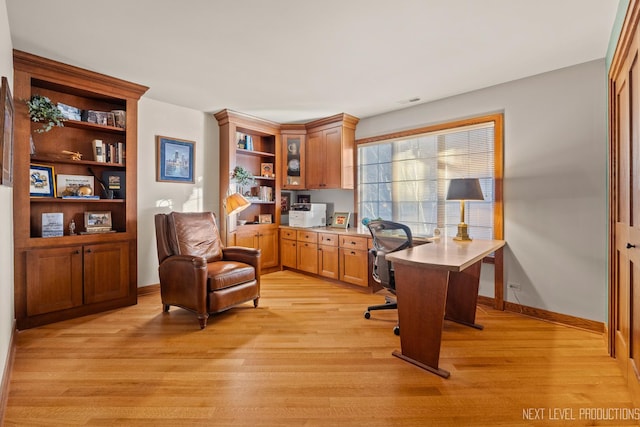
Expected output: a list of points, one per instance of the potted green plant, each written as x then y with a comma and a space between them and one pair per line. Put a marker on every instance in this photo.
42, 110
242, 176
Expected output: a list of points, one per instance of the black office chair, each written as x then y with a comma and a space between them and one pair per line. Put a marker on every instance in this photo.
388, 237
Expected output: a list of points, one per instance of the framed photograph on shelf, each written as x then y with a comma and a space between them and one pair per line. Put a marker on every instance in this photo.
341, 219
52, 224
285, 202
265, 219
266, 170
6, 127
41, 181
175, 160
74, 186
97, 222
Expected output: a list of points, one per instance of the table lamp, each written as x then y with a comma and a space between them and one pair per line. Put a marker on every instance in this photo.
464, 189
235, 203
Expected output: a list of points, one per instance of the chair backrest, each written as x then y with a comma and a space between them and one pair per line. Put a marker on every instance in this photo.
388, 236
188, 233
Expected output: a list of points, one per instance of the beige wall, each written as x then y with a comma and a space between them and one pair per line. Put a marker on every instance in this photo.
555, 149
159, 118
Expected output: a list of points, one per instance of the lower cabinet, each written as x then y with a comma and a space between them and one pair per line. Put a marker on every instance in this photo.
331, 255
328, 255
354, 260
67, 277
263, 237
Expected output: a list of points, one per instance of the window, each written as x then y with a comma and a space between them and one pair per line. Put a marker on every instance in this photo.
404, 177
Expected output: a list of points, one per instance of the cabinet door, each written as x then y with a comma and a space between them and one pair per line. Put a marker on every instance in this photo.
106, 272
332, 176
308, 257
288, 253
293, 148
54, 279
247, 238
315, 160
268, 244
353, 266
328, 261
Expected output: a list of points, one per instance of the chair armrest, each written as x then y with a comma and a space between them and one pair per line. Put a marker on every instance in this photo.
240, 253
183, 282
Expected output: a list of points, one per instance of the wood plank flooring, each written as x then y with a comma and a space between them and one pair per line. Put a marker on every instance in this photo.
307, 357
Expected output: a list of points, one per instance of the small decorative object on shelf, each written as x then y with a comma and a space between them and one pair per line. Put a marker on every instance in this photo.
72, 228
120, 117
74, 185
75, 155
98, 150
42, 110
265, 218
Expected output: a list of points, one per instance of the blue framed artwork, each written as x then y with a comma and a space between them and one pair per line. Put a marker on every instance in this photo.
41, 181
175, 160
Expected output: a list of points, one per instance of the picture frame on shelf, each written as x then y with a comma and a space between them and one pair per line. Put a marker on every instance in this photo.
341, 219
6, 127
266, 170
285, 202
41, 182
98, 222
265, 219
175, 160
75, 186
52, 224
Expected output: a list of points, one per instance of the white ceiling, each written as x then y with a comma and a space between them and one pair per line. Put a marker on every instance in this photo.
296, 60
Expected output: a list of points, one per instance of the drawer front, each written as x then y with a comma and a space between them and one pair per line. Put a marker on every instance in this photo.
288, 234
352, 242
328, 239
307, 236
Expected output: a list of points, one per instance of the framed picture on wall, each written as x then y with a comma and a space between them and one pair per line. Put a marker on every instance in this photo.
175, 160
6, 138
285, 202
304, 198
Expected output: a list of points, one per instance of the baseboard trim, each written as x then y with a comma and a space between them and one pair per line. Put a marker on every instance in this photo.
6, 375
149, 289
549, 316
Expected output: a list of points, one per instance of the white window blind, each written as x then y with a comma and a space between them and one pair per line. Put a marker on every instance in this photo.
406, 179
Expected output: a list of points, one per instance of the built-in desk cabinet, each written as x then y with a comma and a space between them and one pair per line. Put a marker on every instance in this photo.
263, 237
331, 255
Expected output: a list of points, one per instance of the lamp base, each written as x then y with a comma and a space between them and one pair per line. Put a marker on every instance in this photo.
462, 233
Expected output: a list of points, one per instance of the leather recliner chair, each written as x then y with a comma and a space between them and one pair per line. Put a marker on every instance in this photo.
197, 272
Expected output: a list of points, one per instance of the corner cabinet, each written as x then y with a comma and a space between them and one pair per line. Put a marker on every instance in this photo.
254, 144
71, 275
330, 150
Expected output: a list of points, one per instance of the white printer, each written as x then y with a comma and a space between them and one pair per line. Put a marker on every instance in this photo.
308, 215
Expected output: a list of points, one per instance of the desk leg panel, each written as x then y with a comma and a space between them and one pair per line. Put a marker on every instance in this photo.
462, 296
421, 294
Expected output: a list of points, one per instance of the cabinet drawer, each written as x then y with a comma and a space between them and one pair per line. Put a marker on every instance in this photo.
328, 239
307, 236
352, 242
288, 234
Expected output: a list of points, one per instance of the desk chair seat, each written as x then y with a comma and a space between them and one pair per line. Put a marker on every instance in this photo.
388, 237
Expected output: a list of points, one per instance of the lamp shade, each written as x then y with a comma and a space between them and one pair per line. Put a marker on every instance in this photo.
465, 189
236, 203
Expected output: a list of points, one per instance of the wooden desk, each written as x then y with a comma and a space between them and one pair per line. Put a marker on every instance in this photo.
433, 282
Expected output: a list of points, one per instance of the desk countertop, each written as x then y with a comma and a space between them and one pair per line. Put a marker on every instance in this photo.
446, 254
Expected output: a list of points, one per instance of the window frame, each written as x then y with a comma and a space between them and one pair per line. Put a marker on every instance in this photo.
498, 121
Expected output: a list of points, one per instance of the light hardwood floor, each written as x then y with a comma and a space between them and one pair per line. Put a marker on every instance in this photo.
305, 357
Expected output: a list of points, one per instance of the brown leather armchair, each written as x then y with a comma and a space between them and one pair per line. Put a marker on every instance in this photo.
197, 272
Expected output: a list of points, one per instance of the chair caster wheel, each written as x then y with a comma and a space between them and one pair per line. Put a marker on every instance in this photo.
396, 330
367, 314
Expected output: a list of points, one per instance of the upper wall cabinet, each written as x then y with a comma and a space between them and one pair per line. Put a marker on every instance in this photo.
64, 270
330, 153
293, 157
